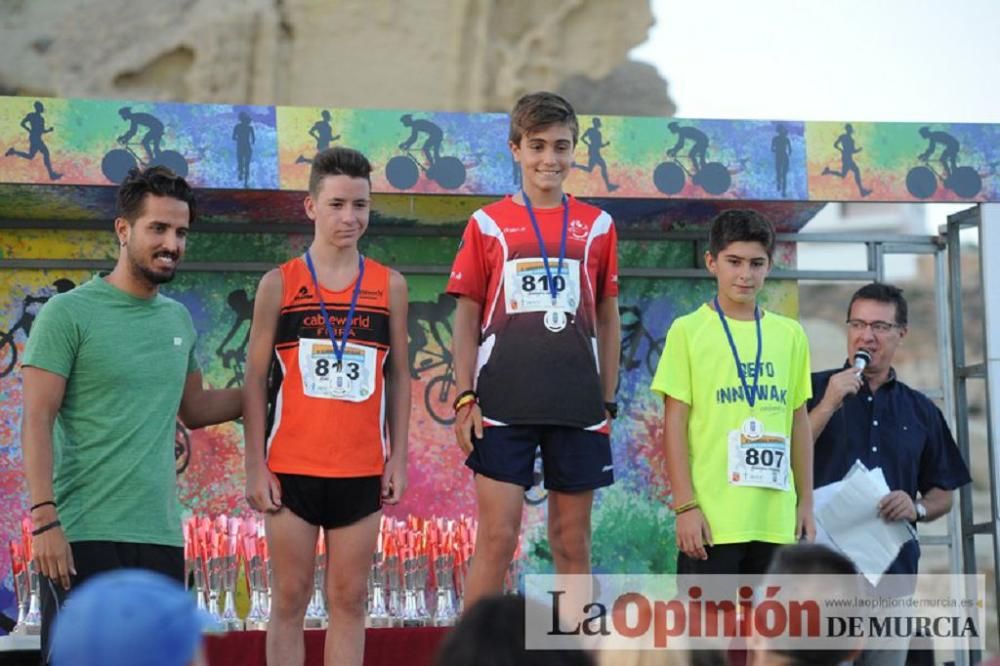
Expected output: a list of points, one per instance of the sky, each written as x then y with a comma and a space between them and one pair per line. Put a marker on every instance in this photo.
849, 60
858, 60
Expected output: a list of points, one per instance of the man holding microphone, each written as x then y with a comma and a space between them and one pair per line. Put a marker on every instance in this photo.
864, 412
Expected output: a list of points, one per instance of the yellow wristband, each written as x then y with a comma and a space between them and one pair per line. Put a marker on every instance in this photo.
463, 401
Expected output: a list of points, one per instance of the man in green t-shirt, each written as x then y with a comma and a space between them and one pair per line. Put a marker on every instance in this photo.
735, 380
108, 368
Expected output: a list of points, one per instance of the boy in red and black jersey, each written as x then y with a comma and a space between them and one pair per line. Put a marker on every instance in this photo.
536, 345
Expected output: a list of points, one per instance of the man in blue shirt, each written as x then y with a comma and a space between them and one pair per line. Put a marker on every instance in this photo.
874, 417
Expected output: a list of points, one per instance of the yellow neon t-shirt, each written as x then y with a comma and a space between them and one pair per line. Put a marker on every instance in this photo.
697, 367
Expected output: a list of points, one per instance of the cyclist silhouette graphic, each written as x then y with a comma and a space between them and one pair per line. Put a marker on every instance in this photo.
235, 356
595, 142
403, 171
322, 132
34, 125
922, 181
432, 145
949, 156
29, 310
781, 146
154, 130
713, 177
436, 316
243, 135
437, 362
845, 144
118, 162
698, 139
634, 332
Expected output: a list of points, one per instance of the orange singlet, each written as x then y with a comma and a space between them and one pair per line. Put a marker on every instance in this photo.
325, 420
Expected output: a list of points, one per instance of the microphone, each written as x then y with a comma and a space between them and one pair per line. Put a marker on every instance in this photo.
861, 360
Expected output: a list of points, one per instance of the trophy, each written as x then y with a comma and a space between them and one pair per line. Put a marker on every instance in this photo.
378, 612
230, 620
422, 575
29, 621
395, 606
410, 615
461, 572
444, 607
256, 573
216, 581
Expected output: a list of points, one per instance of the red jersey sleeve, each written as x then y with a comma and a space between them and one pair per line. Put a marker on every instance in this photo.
608, 276
468, 272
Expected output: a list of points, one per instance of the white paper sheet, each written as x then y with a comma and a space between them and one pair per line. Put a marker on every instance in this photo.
847, 519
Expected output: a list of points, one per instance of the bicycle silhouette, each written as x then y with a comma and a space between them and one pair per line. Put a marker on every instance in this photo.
403, 171
8, 349
234, 357
119, 161
439, 393
713, 177
634, 333
922, 181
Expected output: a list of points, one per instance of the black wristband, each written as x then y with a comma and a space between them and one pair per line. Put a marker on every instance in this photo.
41, 504
454, 405
45, 528
612, 408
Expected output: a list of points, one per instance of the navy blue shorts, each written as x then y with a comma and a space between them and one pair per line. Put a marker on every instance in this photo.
573, 459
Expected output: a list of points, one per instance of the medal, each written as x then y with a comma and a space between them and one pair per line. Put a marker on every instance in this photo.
753, 428
555, 320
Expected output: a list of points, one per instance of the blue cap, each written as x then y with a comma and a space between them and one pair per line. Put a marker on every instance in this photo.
127, 617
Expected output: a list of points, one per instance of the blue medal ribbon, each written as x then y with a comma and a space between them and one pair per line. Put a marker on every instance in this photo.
541, 241
751, 397
338, 352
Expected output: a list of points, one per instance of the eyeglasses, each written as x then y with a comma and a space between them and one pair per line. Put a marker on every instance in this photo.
878, 327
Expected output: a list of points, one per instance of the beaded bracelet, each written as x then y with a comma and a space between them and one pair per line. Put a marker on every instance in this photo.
41, 504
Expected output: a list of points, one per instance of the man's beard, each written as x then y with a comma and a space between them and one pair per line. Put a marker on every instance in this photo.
151, 276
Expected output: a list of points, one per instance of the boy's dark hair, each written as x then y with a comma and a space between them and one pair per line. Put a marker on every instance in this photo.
158, 181
883, 293
536, 111
491, 633
734, 226
811, 559
338, 161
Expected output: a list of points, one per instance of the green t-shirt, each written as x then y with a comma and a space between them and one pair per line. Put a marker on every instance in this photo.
697, 368
125, 360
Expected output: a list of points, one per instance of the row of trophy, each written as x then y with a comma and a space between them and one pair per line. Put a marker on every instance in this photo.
417, 575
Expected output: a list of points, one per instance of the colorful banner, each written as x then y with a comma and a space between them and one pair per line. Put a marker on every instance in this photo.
94, 142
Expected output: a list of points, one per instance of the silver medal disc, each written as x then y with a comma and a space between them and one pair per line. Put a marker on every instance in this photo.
555, 320
753, 428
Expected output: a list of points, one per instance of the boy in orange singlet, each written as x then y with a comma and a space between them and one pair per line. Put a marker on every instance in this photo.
327, 407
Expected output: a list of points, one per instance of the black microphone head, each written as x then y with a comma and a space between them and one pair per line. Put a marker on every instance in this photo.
861, 359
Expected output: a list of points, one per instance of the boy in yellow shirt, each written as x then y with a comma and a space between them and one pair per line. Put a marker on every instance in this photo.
735, 381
